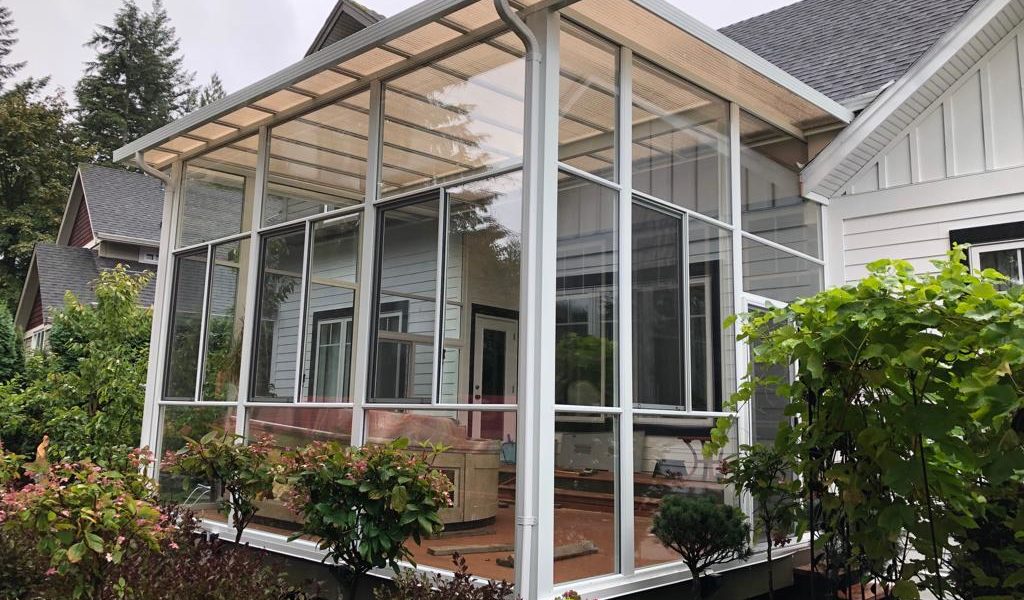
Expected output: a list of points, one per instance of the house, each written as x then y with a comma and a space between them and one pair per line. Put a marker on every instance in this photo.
521, 240
112, 217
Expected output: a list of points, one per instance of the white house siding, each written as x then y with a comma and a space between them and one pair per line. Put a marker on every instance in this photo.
913, 222
973, 126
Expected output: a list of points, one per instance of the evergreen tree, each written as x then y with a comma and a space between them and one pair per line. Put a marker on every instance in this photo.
212, 91
137, 82
12, 359
7, 41
40, 149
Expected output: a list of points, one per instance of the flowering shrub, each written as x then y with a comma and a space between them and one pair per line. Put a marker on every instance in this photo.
410, 585
364, 503
84, 519
10, 467
243, 470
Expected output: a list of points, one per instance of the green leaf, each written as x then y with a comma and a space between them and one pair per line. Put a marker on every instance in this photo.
76, 552
906, 590
94, 542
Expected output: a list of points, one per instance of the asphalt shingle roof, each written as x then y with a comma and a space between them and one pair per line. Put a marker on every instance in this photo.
846, 48
123, 203
67, 268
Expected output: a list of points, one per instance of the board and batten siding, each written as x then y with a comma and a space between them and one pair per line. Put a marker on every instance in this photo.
975, 125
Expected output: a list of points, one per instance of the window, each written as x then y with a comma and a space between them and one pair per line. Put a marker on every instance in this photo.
771, 161
772, 273
680, 142
185, 326
588, 105
216, 196
225, 321
278, 307
1006, 258
586, 294
149, 256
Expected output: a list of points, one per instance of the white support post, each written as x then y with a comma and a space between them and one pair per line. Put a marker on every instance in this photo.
626, 506
364, 325
161, 314
252, 279
743, 421
536, 411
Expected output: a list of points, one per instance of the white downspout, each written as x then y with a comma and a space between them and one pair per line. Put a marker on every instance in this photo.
528, 414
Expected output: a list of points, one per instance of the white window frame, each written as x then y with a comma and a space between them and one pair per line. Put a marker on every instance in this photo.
1018, 245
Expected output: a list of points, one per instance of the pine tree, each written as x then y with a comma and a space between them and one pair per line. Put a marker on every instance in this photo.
7, 41
12, 359
137, 83
212, 91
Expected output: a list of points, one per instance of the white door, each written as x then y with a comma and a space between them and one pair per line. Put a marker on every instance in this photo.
495, 372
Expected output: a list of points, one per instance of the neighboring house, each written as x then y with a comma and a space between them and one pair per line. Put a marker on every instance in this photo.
112, 217
362, 249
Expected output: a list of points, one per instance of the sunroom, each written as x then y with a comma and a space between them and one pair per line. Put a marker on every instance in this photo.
515, 231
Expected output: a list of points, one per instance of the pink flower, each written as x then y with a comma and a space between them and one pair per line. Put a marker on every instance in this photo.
174, 545
50, 572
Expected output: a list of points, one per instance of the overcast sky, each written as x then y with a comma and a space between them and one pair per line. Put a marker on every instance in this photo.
242, 40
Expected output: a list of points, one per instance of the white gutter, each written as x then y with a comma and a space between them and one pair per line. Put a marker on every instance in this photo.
140, 161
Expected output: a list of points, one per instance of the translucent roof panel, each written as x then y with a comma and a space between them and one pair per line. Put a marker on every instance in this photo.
430, 29
460, 114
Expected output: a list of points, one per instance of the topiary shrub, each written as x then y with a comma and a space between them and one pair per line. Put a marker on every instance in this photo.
702, 532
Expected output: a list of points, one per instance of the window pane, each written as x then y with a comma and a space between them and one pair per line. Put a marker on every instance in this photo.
327, 352
778, 275
215, 194
586, 496
668, 458
587, 106
587, 296
481, 462
769, 409
318, 161
680, 142
293, 427
403, 368
482, 318
712, 365
772, 207
186, 324
178, 423
226, 319
658, 320
278, 316
1006, 262
460, 114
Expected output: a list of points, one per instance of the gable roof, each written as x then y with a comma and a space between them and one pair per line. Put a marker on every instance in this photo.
59, 269
122, 204
952, 56
848, 48
346, 18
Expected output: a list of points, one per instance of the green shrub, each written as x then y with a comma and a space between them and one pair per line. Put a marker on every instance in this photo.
411, 585
363, 504
12, 358
243, 471
702, 532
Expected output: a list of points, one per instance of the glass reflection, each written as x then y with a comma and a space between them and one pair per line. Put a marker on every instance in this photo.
588, 105
778, 275
186, 326
277, 316
712, 366
225, 321
587, 295
178, 423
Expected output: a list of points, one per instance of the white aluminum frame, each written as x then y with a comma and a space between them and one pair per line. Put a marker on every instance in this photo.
535, 416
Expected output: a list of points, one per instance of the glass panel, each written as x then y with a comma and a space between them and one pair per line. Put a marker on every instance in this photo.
481, 462
586, 496
586, 294
658, 320
277, 314
587, 105
680, 142
215, 196
327, 352
319, 160
771, 161
186, 324
1005, 261
460, 114
769, 409
668, 458
226, 318
292, 427
777, 274
713, 352
403, 366
482, 293
177, 423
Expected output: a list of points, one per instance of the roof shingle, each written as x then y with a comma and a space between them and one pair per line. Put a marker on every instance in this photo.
847, 48
123, 203
66, 268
